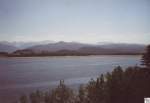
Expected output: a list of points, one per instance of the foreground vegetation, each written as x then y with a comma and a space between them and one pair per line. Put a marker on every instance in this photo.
119, 86
130, 85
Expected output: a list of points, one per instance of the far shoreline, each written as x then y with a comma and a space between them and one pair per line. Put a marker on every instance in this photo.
71, 55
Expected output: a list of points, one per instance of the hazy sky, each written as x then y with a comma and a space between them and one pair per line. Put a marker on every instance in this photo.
88, 21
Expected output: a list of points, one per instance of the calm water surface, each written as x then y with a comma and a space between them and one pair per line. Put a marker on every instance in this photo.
23, 75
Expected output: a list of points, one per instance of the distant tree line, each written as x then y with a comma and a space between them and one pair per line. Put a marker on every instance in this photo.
3, 54
64, 52
130, 85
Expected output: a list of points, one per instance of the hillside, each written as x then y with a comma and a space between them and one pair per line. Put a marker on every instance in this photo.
7, 48
73, 48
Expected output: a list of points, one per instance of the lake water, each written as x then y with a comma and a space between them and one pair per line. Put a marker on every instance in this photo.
23, 75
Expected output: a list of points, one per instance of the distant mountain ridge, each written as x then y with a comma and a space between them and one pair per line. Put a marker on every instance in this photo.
24, 45
7, 48
72, 48
53, 47
86, 47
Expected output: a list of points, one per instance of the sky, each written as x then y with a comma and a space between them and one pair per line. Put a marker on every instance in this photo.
87, 21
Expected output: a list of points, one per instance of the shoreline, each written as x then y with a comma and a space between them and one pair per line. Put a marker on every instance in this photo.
11, 56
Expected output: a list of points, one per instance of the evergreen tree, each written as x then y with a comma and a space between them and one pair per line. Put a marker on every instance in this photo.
146, 57
62, 94
81, 95
23, 99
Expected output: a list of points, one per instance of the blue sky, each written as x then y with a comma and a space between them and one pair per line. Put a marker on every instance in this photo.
88, 21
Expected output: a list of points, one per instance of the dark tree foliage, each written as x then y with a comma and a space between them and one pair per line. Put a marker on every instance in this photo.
96, 90
61, 94
81, 98
23, 99
146, 57
37, 97
129, 86
120, 86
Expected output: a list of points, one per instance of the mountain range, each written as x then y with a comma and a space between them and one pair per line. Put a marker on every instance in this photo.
7, 48
72, 47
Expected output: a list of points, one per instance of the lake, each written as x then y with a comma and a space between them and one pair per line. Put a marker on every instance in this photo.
26, 74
